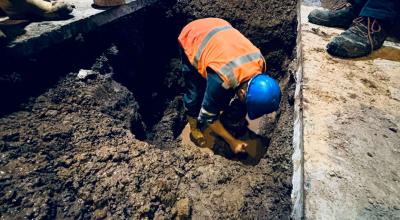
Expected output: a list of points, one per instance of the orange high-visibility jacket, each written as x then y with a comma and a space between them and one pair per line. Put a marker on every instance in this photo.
214, 43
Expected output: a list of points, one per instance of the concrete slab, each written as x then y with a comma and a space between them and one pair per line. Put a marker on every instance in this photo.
37, 36
351, 129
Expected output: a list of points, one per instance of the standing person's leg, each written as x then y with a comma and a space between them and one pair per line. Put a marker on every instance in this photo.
382, 10
368, 32
358, 5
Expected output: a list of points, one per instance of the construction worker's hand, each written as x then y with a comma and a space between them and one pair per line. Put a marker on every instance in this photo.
238, 146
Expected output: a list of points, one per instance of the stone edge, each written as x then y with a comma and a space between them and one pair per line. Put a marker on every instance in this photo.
298, 154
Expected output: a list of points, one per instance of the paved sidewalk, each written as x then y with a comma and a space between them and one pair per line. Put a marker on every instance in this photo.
351, 112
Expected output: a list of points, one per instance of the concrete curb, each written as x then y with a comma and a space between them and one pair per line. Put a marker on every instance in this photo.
298, 154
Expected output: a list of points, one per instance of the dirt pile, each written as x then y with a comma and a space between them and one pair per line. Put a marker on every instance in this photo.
106, 145
71, 155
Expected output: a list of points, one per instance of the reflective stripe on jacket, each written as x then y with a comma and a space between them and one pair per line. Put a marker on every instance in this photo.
214, 43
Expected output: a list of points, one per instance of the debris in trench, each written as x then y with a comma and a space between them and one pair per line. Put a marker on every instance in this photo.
183, 208
83, 74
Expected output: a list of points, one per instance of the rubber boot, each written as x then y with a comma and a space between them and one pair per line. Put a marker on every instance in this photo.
41, 9
196, 136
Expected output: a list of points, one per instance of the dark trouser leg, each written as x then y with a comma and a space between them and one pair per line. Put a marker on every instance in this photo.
194, 88
358, 5
382, 10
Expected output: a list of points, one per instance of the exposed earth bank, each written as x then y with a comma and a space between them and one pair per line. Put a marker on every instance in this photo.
107, 146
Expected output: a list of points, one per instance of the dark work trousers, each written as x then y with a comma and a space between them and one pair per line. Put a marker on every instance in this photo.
209, 94
199, 90
195, 86
385, 10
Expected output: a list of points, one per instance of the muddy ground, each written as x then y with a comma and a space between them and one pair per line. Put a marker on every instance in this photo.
108, 146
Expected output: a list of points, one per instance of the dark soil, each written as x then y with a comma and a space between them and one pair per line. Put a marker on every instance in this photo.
106, 146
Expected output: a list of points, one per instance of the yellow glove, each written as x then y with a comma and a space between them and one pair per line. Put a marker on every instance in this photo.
196, 136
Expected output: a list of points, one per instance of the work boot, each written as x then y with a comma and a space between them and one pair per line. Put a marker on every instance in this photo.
40, 9
363, 37
341, 16
196, 136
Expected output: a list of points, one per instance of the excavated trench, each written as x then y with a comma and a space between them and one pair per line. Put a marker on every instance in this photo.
110, 144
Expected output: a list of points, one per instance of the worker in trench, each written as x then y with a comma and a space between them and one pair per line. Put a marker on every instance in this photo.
34, 10
367, 23
222, 68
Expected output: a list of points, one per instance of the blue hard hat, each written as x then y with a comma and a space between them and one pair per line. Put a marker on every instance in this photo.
263, 96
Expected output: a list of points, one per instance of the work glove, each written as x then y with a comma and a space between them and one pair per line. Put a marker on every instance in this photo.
196, 135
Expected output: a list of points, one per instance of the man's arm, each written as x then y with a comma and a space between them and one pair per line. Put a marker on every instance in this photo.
216, 99
237, 146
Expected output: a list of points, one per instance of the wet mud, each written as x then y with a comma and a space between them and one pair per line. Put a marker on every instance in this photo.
109, 145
